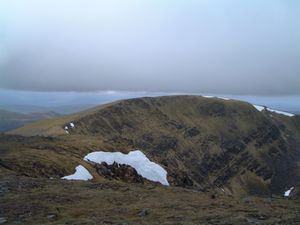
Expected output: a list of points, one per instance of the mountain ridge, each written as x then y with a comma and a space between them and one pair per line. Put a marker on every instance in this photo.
226, 163
203, 143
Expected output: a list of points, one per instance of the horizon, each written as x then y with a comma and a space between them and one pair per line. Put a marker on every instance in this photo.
32, 101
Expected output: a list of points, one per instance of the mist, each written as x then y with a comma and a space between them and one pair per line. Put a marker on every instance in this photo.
225, 47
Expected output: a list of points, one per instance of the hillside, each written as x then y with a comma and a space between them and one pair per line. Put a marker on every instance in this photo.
203, 142
211, 146
12, 120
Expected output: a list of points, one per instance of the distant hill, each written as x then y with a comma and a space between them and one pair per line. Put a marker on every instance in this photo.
63, 109
12, 120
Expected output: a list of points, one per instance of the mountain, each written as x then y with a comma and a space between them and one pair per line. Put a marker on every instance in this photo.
209, 147
12, 120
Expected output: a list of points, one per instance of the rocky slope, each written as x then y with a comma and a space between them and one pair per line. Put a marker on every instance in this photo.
44, 201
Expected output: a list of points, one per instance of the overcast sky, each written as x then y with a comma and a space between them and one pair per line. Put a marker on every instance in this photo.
247, 47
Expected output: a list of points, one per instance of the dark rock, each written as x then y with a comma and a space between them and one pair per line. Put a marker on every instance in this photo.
165, 143
143, 213
247, 200
175, 124
180, 179
192, 132
120, 172
233, 145
213, 194
252, 221
214, 109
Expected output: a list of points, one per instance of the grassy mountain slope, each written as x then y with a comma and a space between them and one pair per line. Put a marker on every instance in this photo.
203, 143
217, 153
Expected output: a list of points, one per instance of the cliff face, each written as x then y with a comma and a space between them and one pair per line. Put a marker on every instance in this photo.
203, 143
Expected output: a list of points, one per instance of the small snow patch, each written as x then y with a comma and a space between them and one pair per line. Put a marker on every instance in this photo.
72, 125
223, 98
66, 129
136, 159
288, 192
208, 96
81, 173
281, 112
261, 108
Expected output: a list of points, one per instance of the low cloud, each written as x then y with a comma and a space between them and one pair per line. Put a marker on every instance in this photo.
241, 47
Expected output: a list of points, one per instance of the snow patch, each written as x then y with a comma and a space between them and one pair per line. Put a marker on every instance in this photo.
135, 159
281, 112
261, 108
66, 129
208, 96
288, 192
81, 173
224, 98
72, 125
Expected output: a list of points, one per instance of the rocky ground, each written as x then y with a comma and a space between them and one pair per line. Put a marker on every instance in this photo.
54, 201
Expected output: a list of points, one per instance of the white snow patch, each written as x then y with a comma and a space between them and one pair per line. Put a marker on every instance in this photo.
261, 108
136, 159
281, 112
224, 98
81, 173
72, 125
288, 192
66, 129
208, 96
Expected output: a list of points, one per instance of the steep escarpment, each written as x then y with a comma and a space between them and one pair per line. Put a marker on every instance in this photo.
203, 143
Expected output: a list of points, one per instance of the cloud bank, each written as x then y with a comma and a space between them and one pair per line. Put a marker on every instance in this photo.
216, 46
